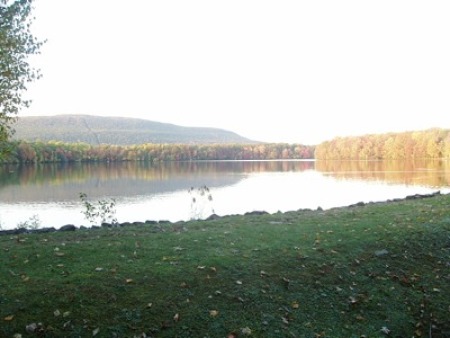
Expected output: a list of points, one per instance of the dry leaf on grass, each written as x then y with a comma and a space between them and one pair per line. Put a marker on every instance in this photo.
246, 331
213, 313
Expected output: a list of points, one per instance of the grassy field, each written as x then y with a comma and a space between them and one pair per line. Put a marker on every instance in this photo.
369, 271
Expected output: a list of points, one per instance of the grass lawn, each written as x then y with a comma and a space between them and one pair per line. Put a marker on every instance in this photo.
378, 270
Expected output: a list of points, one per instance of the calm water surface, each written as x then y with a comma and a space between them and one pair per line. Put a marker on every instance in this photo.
160, 191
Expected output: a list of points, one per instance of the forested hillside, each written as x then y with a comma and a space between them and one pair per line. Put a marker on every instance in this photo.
96, 130
432, 143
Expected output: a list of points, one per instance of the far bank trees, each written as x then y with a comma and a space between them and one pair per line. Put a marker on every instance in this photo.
432, 143
59, 152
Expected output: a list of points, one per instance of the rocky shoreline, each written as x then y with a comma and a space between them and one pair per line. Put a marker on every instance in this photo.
157, 225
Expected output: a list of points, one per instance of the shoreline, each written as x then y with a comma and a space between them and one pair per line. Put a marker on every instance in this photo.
158, 228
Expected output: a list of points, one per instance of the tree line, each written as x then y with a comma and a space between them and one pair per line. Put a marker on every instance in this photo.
432, 143
54, 152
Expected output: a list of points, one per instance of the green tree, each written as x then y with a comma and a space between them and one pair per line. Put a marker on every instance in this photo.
16, 45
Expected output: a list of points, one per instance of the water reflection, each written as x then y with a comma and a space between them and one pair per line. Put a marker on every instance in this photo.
59, 182
159, 191
428, 173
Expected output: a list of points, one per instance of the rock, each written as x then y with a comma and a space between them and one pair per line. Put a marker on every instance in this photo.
13, 232
20, 231
257, 213
68, 227
212, 217
417, 196
359, 204
45, 230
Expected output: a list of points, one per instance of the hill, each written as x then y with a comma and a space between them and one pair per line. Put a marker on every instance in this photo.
116, 130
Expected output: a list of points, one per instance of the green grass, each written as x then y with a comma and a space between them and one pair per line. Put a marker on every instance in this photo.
297, 274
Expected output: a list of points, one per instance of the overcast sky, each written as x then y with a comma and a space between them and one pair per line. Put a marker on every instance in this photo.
275, 71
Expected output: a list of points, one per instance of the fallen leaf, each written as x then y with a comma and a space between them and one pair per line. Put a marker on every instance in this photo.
128, 281
95, 332
56, 313
213, 313
66, 314
385, 330
98, 269
295, 305
213, 269
31, 328
9, 318
246, 331
201, 267
176, 317
149, 305
238, 282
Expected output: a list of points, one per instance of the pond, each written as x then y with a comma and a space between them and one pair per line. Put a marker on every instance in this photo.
48, 194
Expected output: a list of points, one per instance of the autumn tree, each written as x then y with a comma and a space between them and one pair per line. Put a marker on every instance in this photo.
16, 45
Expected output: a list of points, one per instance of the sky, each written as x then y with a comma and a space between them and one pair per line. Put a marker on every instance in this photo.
274, 71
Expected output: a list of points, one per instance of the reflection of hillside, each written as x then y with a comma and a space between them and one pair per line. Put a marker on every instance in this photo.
431, 173
65, 182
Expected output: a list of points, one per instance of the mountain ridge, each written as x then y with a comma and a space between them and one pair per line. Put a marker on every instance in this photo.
94, 129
